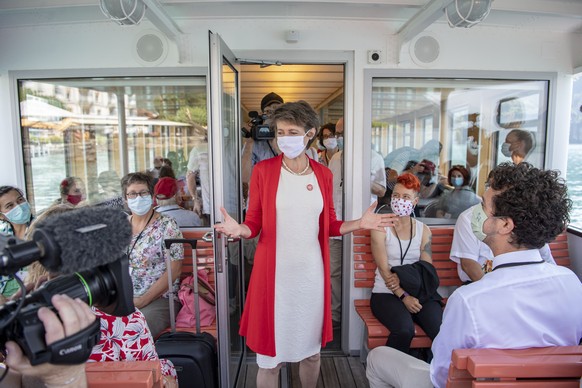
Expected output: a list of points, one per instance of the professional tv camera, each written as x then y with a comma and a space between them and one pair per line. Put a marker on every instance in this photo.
259, 130
86, 246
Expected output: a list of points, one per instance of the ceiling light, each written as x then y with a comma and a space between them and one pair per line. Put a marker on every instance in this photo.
123, 12
467, 13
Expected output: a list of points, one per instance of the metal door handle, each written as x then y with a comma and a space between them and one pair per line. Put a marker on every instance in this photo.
208, 236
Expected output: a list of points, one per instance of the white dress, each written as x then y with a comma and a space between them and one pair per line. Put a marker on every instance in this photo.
299, 285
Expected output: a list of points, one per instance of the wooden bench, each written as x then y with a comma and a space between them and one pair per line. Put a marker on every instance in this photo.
558, 366
127, 374
375, 333
205, 260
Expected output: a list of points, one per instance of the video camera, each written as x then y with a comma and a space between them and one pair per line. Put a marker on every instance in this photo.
259, 130
101, 281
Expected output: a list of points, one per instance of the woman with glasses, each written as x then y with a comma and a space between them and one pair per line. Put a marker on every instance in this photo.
401, 252
147, 257
287, 314
453, 202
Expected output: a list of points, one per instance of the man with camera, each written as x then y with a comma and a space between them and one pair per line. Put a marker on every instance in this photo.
260, 143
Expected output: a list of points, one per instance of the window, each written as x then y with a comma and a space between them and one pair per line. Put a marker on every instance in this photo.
574, 173
86, 128
457, 124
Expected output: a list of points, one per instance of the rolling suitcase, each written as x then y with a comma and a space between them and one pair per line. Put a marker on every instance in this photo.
193, 354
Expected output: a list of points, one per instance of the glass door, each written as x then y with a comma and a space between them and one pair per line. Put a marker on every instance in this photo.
227, 193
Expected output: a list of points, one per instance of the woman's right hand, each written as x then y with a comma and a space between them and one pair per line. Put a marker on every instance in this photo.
412, 304
229, 227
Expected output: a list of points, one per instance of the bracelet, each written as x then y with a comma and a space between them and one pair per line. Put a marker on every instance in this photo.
404, 295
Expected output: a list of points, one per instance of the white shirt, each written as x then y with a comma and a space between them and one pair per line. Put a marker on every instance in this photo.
467, 246
377, 173
335, 165
517, 307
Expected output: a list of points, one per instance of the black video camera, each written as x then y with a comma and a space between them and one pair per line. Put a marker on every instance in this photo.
107, 286
259, 130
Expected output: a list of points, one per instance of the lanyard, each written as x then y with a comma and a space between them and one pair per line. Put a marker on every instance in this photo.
140, 233
400, 245
507, 265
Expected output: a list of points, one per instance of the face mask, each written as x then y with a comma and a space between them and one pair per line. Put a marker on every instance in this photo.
140, 205
291, 146
340, 142
74, 199
478, 218
457, 181
505, 150
19, 215
330, 143
402, 207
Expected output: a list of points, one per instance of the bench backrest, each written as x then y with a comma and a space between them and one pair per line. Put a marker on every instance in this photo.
533, 367
365, 266
442, 238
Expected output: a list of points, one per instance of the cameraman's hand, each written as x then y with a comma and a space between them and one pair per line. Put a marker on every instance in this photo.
75, 316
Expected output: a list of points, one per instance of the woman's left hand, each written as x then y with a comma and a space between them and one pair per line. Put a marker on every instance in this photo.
371, 220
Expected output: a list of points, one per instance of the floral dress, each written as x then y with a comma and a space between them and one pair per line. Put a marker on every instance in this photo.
127, 339
147, 259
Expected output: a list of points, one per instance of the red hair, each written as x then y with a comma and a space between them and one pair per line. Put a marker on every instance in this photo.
410, 181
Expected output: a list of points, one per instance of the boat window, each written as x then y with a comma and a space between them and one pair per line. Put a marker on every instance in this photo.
451, 133
574, 172
99, 129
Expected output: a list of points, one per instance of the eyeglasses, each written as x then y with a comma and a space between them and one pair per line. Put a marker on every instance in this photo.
142, 194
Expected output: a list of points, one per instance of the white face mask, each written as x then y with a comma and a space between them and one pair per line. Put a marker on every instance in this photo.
291, 146
330, 143
478, 219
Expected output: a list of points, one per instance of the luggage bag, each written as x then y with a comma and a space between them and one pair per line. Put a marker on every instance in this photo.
194, 355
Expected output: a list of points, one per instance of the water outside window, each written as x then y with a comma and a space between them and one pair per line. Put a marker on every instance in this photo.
574, 174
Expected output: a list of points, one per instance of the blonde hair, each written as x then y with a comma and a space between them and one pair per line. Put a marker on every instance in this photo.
36, 271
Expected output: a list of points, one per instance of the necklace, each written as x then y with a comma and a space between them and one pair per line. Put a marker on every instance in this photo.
293, 172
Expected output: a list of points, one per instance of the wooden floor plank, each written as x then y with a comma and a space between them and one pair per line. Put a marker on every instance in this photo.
251, 377
344, 374
358, 372
329, 373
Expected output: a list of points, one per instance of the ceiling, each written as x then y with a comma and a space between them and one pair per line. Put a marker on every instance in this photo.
317, 84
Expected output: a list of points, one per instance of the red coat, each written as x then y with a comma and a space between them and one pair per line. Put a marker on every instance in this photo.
258, 318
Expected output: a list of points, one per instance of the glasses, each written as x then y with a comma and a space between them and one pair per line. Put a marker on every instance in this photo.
142, 194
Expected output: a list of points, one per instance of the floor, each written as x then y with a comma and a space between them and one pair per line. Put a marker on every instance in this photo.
336, 372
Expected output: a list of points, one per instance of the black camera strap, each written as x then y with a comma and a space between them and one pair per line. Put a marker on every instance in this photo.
76, 348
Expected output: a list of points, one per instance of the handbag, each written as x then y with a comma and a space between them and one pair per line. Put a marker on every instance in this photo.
186, 316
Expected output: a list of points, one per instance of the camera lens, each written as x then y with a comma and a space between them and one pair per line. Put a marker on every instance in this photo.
375, 56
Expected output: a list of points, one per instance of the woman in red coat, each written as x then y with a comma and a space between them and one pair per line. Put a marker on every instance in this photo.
287, 314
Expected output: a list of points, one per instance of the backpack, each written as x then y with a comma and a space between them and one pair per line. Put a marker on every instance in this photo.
187, 317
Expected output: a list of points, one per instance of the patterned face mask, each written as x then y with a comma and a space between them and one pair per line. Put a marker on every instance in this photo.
402, 207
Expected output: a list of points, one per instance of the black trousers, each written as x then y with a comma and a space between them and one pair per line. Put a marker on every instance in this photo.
392, 313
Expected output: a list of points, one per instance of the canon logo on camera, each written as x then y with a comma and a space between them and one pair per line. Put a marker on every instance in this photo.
64, 352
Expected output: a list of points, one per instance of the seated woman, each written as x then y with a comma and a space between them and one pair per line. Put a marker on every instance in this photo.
125, 338
72, 191
452, 203
15, 216
407, 245
147, 257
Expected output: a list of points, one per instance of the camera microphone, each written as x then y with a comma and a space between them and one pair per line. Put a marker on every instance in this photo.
70, 242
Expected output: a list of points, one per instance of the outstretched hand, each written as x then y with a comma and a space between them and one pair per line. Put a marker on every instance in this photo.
373, 221
229, 227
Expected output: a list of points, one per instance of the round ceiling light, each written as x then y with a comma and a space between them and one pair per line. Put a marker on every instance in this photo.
123, 12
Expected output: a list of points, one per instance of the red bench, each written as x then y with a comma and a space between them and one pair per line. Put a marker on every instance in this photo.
376, 334
364, 272
127, 374
556, 367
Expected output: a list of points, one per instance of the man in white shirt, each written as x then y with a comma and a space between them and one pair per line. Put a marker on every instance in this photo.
474, 257
524, 302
